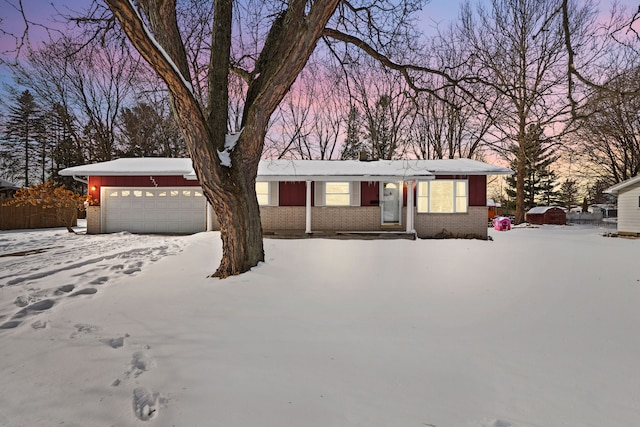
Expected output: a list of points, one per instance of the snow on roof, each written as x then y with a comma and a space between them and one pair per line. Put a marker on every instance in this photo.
542, 209
622, 185
4, 184
141, 166
273, 170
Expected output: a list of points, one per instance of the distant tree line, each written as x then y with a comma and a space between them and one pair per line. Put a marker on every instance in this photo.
500, 92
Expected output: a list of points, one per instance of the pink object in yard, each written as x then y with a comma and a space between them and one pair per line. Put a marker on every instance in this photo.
501, 223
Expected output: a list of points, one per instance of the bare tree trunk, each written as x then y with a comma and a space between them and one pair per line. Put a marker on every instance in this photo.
229, 184
520, 172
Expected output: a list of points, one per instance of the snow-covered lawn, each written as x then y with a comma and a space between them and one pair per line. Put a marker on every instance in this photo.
537, 328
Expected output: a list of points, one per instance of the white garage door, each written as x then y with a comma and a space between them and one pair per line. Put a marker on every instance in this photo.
153, 210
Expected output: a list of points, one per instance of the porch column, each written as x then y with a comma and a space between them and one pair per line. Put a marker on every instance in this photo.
410, 206
308, 209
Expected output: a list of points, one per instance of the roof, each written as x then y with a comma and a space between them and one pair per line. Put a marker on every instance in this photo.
623, 185
543, 209
4, 184
281, 170
141, 166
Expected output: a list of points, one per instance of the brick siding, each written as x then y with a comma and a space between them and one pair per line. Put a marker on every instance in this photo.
93, 220
470, 224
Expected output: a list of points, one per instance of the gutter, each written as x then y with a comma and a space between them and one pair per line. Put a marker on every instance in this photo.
84, 181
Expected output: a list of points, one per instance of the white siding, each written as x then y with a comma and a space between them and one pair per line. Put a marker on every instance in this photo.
629, 210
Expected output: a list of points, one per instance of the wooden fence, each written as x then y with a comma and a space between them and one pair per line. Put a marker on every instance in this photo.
19, 217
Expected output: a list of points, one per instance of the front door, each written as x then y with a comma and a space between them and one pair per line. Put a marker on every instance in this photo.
391, 203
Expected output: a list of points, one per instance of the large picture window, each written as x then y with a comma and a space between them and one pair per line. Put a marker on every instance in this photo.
337, 194
442, 196
262, 192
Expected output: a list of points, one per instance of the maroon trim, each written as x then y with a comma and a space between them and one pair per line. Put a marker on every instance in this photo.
96, 182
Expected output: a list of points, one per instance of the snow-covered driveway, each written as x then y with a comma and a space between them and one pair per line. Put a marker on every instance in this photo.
43, 268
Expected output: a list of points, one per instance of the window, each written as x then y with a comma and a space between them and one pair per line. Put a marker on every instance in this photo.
262, 193
442, 196
337, 194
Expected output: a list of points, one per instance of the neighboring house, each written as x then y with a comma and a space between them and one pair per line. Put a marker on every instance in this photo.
446, 197
628, 193
605, 210
7, 190
546, 215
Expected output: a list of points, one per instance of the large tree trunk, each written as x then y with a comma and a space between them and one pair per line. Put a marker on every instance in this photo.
230, 188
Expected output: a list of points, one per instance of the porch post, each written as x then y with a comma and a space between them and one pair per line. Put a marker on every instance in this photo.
410, 206
308, 209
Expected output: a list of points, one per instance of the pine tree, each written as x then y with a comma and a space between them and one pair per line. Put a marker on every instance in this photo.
66, 147
352, 146
24, 132
569, 193
540, 180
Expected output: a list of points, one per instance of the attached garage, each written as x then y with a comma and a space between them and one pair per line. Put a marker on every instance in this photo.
153, 210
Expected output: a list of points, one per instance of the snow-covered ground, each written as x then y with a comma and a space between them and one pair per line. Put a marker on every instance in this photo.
537, 328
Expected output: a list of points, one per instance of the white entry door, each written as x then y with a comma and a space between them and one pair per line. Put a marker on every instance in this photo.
153, 210
391, 201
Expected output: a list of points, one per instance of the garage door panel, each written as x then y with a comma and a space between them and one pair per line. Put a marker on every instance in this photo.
153, 210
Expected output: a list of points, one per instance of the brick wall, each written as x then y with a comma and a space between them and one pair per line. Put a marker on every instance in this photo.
324, 218
93, 220
471, 224
277, 218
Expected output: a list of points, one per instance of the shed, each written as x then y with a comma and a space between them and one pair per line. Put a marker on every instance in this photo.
546, 215
495, 209
628, 193
7, 189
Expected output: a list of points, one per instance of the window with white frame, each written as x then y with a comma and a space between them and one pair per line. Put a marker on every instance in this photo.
442, 196
262, 192
337, 194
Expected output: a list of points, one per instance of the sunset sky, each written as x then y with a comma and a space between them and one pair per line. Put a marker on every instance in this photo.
42, 12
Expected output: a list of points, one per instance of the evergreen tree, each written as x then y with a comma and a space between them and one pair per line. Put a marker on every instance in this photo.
352, 144
378, 129
146, 132
540, 180
596, 194
24, 132
66, 146
569, 193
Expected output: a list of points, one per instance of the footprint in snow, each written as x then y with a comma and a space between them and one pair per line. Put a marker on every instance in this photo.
145, 403
10, 324
498, 423
39, 324
83, 329
64, 289
85, 291
99, 281
36, 307
140, 363
115, 342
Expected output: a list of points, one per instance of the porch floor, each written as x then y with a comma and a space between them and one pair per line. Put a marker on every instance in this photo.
346, 235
